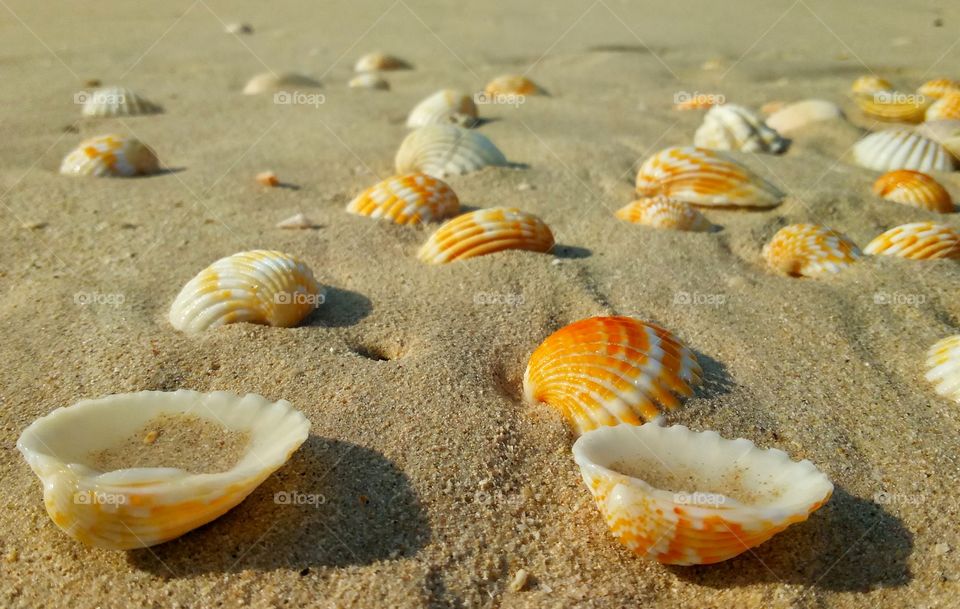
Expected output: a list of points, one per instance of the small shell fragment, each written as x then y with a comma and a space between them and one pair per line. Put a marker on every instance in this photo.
110, 156
486, 231
369, 80
444, 150
802, 113
917, 241
901, 149
445, 107
407, 199
512, 84
268, 82
732, 127
915, 189
297, 221
947, 108
379, 61
661, 212
810, 250
116, 101
943, 367
267, 178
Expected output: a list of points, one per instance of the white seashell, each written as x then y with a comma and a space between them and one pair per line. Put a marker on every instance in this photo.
369, 80
946, 133
445, 107
802, 113
116, 101
443, 150
379, 61
238, 28
901, 149
943, 367
732, 127
269, 82
110, 156
298, 221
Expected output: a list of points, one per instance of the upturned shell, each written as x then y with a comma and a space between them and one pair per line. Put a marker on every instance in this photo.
802, 113
486, 231
268, 82
512, 84
445, 107
379, 61
901, 149
917, 241
810, 250
690, 498
732, 127
610, 370
704, 177
937, 88
945, 133
141, 507
661, 212
407, 199
915, 189
870, 84
259, 286
943, 367
369, 80
110, 156
116, 101
947, 108
444, 150
893, 106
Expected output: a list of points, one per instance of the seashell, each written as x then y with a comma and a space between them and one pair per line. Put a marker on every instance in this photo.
698, 101
407, 199
267, 178
110, 156
369, 80
870, 84
268, 82
945, 133
802, 113
238, 28
704, 177
947, 108
913, 188
486, 231
259, 286
442, 150
901, 149
610, 370
116, 101
937, 88
917, 241
661, 212
732, 127
143, 506
445, 107
810, 250
512, 84
297, 221
683, 497
943, 367
772, 106
380, 62
893, 106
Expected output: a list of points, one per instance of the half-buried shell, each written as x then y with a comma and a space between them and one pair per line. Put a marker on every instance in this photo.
915, 189
445, 107
732, 127
110, 156
379, 61
116, 101
901, 149
407, 199
512, 84
917, 241
486, 231
269, 82
870, 84
943, 367
810, 250
802, 113
661, 212
444, 150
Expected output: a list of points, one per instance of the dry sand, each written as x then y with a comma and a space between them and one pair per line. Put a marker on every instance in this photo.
438, 483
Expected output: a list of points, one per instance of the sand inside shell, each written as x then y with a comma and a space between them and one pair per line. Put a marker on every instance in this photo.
732, 485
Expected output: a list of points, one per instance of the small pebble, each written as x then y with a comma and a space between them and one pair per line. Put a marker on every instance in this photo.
519, 581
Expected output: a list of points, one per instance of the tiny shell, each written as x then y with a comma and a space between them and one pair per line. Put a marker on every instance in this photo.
445, 107
407, 199
238, 28
661, 212
947, 108
297, 221
802, 113
810, 250
443, 150
267, 178
915, 189
110, 156
610, 370
943, 367
945, 133
689, 498
704, 177
870, 84
732, 127
144, 506
116, 101
935, 89
369, 80
259, 286
379, 61
901, 149
512, 84
917, 241
268, 82
486, 231
893, 106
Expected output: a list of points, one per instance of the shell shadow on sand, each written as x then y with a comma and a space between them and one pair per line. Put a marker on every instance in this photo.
340, 308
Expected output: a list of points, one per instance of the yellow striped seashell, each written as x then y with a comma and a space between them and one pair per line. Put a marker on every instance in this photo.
870, 84
445, 107
444, 150
945, 133
901, 149
369, 80
732, 127
379, 61
802, 113
259, 286
915, 189
917, 241
810, 250
893, 106
943, 367
137, 507
110, 156
115, 101
661, 212
947, 108
692, 498
486, 231
407, 199
512, 84
935, 89
268, 82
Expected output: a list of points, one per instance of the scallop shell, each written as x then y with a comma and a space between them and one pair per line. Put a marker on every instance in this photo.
407, 199
661, 212
445, 107
870, 84
704, 177
917, 241
945, 133
610, 370
268, 82
943, 367
732, 127
512, 84
893, 106
486, 231
379, 61
443, 150
140, 507
947, 108
935, 89
690, 498
259, 286
802, 113
915, 189
901, 149
810, 250
369, 80
110, 156
117, 101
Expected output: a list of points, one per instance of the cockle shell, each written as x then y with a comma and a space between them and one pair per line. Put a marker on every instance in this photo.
110, 156
943, 367
443, 150
913, 188
379, 61
732, 127
947, 108
704, 177
893, 106
901, 149
486, 231
691, 498
407, 199
661, 212
610, 370
512, 84
870, 84
445, 107
802, 113
116, 101
268, 82
259, 286
945, 133
144, 506
369, 80
810, 250
937, 88
917, 241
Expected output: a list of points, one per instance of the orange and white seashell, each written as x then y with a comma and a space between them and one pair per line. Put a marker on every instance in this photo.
379, 61
486, 231
443, 150
893, 106
802, 113
917, 241
661, 212
259, 286
269, 82
810, 250
267, 178
870, 84
143, 506
943, 367
947, 108
369, 80
445, 107
937, 88
512, 84
704, 177
610, 370
407, 199
901, 149
691, 498
945, 133
110, 156
913, 188
116, 101
732, 127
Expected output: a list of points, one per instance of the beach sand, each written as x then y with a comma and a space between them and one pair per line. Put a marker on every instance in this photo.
427, 481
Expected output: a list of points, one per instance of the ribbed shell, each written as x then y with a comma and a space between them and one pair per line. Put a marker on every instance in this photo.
444, 150
512, 84
380, 61
732, 127
407, 199
268, 82
661, 212
810, 250
802, 113
610, 370
486, 231
110, 156
917, 241
445, 107
893, 106
947, 108
901, 149
937, 88
913, 188
870, 84
117, 101
943, 367
945, 133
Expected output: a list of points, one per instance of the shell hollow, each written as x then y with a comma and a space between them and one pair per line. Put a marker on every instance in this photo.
486, 231
917, 241
943, 367
407, 199
810, 250
661, 212
110, 156
915, 189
